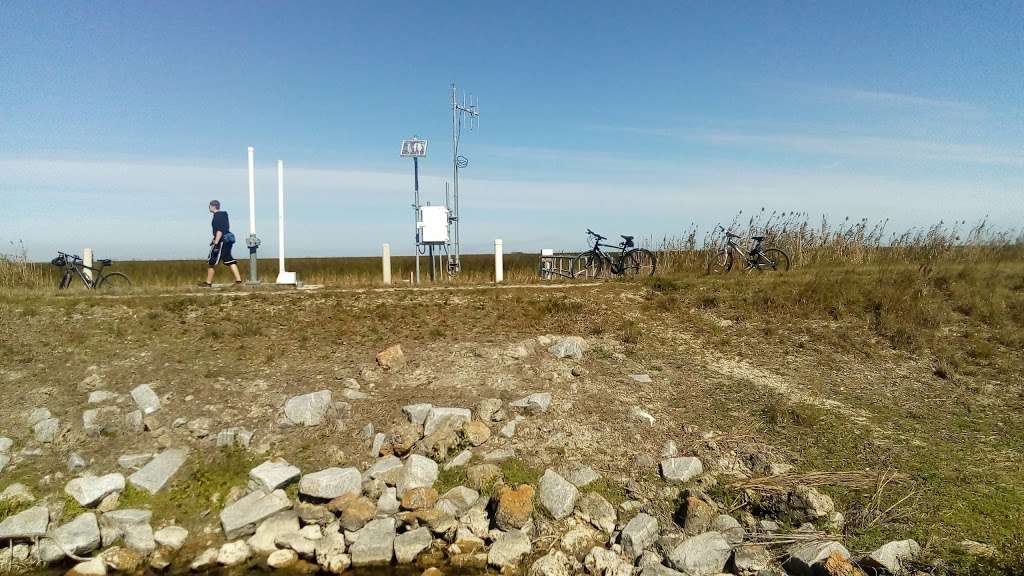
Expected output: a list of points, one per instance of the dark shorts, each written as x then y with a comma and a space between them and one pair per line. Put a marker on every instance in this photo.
221, 254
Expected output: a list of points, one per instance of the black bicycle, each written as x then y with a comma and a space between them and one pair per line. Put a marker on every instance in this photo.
73, 265
755, 258
629, 261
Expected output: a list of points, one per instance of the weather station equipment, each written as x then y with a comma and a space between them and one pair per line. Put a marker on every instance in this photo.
469, 111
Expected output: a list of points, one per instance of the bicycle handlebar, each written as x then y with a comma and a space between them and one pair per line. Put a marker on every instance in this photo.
596, 235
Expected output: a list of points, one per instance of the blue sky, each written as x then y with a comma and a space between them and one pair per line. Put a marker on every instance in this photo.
119, 121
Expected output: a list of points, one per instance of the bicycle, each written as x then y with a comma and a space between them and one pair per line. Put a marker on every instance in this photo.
629, 261
758, 258
74, 265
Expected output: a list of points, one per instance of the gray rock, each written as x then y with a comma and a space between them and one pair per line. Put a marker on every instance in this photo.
5, 445
31, 523
76, 462
659, 570
378, 442
554, 563
579, 474
387, 503
234, 436
487, 408
46, 430
78, 536
274, 474
418, 472
751, 559
89, 490
146, 399
805, 555
92, 567
569, 347
101, 396
461, 499
438, 416
240, 518
808, 504
894, 557
461, 459
382, 466
154, 476
417, 413
308, 409
282, 558
607, 563
508, 549
17, 493
669, 450
701, 555
140, 538
206, 560
599, 512
134, 422
640, 378
233, 553
331, 483
729, 527
681, 469
264, 539
330, 553
115, 524
375, 543
409, 545
537, 402
298, 542
640, 533
134, 461
509, 429
99, 421
557, 495
5, 459
172, 537
642, 415
37, 415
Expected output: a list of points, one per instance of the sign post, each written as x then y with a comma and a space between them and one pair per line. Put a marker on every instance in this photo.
415, 148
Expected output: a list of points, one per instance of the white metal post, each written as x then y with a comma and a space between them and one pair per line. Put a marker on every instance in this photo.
252, 193
283, 277
499, 268
87, 260
386, 262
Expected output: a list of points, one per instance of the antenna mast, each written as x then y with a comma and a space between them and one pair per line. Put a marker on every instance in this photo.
469, 110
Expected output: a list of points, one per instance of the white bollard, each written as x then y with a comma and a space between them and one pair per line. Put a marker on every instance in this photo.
499, 267
87, 260
385, 262
282, 276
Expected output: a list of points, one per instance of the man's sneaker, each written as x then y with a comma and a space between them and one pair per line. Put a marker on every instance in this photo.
205, 285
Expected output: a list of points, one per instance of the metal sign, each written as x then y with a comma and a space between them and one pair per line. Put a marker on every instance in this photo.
414, 148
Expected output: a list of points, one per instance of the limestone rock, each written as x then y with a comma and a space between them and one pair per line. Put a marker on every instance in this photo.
459, 460
99, 421
205, 560
729, 527
17, 493
114, 524
701, 555
595, 509
569, 347
554, 563
46, 431
308, 409
375, 543
515, 507
417, 413
241, 518
487, 408
461, 498
751, 559
697, 513
536, 403
895, 556
604, 562
405, 436
264, 541
557, 495
804, 556
358, 513
409, 545
417, 498
640, 533
391, 359
154, 476
418, 471
92, 567
172, 537
79, 536
282, 558
508, 549
146, 399
481, 476
579, 474
25, 525
439, 416
681, 468
476, 432
330, 553
89, 490
331, 483
808, 504
234, 436
274, 474
233, 553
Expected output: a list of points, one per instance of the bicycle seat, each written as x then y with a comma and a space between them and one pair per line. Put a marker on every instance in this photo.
757, 238
627, 238
106, 262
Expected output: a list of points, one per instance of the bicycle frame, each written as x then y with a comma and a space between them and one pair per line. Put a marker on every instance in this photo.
749, 258
615, 265
76, 265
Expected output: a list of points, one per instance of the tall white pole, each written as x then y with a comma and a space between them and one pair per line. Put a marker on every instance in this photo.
386, 262
499, 266
280, 218
252, 193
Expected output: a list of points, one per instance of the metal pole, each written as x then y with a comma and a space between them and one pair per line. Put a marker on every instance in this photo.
252, 241
455, 171
416, 207
280, 219
431, 260
499, 266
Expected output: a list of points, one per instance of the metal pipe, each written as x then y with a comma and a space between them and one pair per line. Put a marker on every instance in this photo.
416, 208
252, 241
280, 218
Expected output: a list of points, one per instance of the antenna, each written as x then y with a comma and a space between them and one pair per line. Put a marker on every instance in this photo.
469, 110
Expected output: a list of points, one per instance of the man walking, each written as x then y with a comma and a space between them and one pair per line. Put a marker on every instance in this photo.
220, 246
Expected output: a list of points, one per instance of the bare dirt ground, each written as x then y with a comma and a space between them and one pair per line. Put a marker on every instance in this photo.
825, 395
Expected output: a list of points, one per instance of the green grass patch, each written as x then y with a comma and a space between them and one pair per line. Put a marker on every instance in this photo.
11, 507
517, 472
448, 479
200, 489
612, 491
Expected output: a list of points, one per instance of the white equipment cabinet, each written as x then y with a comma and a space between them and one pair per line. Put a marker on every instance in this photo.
434, 225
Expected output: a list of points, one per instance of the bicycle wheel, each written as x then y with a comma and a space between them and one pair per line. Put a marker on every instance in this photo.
772, 260
588, 264
720, 263
113, 281
639, 262
65, 281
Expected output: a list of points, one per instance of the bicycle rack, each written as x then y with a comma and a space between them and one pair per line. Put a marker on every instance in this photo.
553, 266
